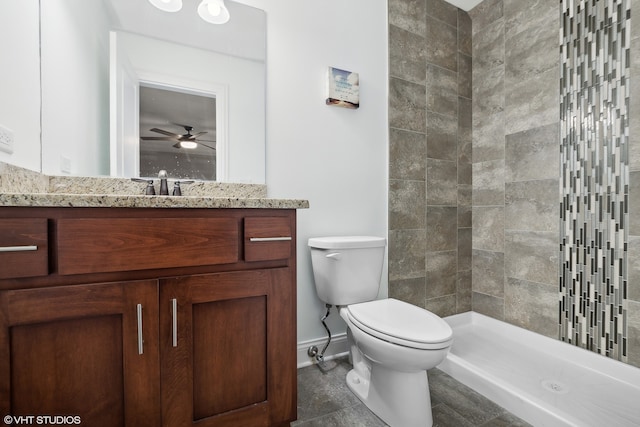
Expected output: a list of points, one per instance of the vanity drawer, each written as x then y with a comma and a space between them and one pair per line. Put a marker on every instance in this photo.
122, 244
267, 238
23, 248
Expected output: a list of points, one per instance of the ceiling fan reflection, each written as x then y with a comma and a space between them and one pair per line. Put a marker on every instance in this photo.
187, 140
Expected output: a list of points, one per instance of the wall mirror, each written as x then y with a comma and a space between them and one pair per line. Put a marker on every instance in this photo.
104, 60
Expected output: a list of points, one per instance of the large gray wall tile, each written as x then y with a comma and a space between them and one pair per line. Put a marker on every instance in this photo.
488, 46
488, 115
442, 228
409, 14
407, 53
488, 305
488, 228
465, 126
442, 46
532, 205
442, 182
407, 102
533, 153
488, 183
441, 273
531, 103
442, 91
442, 131
464, 249
464, 32
463, 291
485, 13
532, 306
443, 11
409, 290
442, 306
465, 73
531, 52
488, 272
407, 249
407, 155
532, 256
406, 204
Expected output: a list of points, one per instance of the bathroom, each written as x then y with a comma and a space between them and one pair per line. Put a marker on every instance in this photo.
492, 219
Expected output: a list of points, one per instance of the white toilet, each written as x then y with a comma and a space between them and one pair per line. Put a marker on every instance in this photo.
392, 343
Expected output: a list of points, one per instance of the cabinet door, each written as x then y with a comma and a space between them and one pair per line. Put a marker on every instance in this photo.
228, 349
74, 351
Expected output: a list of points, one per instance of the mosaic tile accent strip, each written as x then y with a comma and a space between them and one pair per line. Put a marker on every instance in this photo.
594, 97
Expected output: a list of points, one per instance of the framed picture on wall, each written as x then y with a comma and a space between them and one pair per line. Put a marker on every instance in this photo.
343, 88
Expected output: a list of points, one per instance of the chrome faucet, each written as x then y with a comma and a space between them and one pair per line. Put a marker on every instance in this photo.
164, 188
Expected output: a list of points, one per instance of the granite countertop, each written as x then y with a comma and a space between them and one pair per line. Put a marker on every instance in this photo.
22, 188
134, 201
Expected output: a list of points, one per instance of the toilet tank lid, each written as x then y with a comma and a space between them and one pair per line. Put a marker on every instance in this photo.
346, 242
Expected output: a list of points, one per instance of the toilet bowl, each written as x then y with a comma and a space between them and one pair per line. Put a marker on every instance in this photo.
392, 343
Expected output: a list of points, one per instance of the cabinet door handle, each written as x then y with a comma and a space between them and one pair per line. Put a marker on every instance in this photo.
270, 239
174, 322
140, 338
18, 248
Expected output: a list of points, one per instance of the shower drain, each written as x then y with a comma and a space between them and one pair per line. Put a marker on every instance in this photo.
554, 386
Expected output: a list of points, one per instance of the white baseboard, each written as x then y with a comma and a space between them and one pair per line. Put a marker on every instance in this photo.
337, 348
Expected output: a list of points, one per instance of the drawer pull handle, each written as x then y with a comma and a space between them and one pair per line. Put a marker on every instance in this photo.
140, 339
270, 239
174, 322
18, 248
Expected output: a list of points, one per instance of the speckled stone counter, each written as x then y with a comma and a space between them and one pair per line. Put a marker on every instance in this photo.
125, 201
21, 187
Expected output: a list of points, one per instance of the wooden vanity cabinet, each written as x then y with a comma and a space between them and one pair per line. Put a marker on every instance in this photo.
118, 338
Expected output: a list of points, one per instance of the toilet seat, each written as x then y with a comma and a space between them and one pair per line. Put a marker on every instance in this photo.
401, 323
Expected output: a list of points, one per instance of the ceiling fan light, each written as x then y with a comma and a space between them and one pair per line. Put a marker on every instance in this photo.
214, 11
188, 144
167, 5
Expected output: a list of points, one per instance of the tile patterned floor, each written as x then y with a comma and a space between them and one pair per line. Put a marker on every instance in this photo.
324, 400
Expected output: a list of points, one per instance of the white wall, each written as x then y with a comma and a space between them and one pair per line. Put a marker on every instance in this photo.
20, 81
334, 157
75, 86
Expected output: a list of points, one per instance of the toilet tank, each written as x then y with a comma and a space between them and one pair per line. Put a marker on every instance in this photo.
347, 269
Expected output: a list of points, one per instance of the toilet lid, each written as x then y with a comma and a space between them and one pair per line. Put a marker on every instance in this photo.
401, 323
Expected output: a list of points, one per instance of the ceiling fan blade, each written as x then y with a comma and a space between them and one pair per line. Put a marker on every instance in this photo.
157, 138
195, 135
164, 132
208, 146
206, 140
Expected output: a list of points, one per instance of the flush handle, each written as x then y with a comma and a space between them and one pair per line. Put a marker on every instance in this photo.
336, 256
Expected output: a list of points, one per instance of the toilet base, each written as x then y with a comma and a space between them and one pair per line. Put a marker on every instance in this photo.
400, 399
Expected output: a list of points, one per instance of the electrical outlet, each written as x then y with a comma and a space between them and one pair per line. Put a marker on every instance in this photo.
6, 140
65, 164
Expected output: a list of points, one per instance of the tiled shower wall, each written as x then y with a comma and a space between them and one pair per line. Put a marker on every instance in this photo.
430, 155
516, 149
516, 162
514, 193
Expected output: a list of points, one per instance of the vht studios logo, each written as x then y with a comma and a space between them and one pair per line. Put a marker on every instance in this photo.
61, 420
